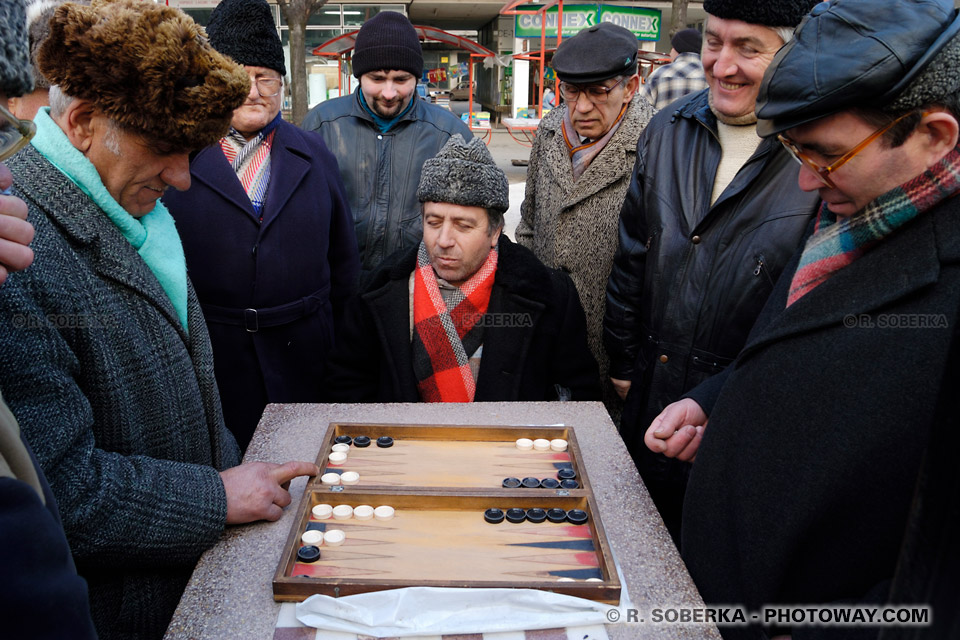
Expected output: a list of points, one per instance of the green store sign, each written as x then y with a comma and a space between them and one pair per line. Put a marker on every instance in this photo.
644, 23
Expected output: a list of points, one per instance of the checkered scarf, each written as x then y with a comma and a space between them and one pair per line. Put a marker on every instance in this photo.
581, 155
834, 244
250, 160
445, 336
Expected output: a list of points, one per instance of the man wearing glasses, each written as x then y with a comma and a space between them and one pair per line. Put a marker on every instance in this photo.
580, 169
804, 477
268, 235
711, 216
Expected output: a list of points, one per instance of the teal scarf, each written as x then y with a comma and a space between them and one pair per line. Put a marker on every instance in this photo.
153, 235
383, 124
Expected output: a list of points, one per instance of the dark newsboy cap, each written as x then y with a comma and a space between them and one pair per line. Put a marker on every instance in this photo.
853, 53
595, 54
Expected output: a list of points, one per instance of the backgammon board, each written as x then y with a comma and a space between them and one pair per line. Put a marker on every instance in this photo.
469, 509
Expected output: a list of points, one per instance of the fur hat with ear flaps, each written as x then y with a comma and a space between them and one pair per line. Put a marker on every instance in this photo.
148, 67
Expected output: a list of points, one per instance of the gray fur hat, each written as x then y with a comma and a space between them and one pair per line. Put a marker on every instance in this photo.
464, 173
15, 77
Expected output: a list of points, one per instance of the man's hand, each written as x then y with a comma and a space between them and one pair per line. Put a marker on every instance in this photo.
677, 431
15, 232
258, 490
621, 387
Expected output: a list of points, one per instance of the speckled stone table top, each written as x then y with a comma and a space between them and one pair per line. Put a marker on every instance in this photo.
230, 594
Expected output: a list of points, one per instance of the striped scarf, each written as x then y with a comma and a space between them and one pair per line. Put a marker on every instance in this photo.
250, 160
834, 244
444, 335
582, 154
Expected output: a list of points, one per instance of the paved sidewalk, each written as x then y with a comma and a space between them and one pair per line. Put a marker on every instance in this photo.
505, 150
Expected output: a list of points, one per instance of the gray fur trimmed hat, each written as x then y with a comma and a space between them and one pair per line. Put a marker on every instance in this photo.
896, 55
464, 173
769, 13
15, 77
245, 31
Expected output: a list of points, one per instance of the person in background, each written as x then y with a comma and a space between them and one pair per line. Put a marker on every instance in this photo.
468, 315
711, 217
682, 76
382, 134
41, 595
810, 475
106, 360
580, 167
267, 234
549, 97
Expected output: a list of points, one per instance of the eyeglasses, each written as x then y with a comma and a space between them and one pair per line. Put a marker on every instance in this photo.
14, 133
268, 87
824, 172
596, 93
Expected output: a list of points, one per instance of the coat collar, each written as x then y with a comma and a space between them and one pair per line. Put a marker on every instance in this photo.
900, 265
82, 222
612, 164
290, 163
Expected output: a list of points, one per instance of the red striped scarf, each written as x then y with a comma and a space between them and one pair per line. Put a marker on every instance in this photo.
251, 162
445, 337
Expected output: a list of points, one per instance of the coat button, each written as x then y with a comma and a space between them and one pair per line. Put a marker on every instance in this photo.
695, 239
664, 359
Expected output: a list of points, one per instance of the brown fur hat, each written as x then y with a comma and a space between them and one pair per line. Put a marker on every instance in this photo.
148, 67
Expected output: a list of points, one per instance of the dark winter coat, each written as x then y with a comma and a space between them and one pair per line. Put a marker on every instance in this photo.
381, 171
688, 278
802, 486
296, 268
117, 400
540, 343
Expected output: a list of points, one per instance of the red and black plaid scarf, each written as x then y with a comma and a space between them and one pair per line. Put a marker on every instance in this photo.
444, 338
835, 244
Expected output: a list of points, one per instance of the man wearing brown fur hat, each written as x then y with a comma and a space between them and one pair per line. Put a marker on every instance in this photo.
266, 202
107, 363
711, 217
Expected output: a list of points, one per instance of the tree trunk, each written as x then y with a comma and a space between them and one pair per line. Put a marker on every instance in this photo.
678, 20
296, 13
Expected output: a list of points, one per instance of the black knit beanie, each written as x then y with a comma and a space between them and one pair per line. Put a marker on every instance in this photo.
387, 41
769, 13
245, 31
687, 41
15, 77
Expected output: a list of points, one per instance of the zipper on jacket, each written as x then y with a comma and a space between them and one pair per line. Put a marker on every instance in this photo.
761, 268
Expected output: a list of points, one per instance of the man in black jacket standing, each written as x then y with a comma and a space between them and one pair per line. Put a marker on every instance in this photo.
466, 315
804, 477
711, 216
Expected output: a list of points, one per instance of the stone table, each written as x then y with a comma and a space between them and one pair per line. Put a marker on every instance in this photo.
230, 594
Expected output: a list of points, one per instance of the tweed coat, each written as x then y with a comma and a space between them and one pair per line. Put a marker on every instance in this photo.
572, 226
802, 486
119, 403
302, 254
535, 339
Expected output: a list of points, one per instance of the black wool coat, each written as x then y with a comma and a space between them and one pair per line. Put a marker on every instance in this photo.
802, 486
544, 344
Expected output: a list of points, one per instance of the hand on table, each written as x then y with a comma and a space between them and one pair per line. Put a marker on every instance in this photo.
258, 490
677, 431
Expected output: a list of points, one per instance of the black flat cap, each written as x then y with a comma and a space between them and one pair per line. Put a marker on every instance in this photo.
852, 53
595, 54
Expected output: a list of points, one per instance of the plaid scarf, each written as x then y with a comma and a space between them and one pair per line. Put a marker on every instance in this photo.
444, 336
250, 160
582, 155
834, 245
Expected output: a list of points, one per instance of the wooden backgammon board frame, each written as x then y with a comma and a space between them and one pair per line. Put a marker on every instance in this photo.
460, 471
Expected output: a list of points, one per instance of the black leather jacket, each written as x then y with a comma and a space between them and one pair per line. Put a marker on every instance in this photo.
381, 171
688, 278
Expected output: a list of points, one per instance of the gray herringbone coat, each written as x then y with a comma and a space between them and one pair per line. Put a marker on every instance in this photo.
573, 225
118, 402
